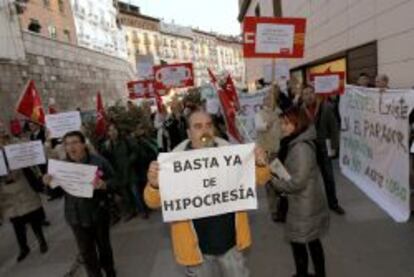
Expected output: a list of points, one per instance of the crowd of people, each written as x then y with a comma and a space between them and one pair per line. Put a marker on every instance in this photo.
295, 125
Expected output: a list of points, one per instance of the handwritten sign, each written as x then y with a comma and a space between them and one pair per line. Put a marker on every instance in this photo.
207, 182
374, 150
3, 167
173, 76
61, 123
24, 155
269, 37
75, 179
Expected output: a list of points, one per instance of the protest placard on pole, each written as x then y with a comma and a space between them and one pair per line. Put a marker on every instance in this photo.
329, 83
59, 124
26, 154
269, 37
173, 76
3, 167
374, 149
75, 179
207, 182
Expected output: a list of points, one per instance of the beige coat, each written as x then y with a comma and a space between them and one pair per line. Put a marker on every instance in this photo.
268, 138
18, 198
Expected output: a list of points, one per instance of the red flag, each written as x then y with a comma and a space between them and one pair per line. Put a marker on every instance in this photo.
100, 128
232, 92
228, 98
30, 104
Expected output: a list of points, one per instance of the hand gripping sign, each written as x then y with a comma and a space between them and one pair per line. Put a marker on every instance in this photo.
173, 76
269, 37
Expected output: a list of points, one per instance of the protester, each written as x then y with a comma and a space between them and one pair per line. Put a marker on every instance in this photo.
89, 218
382, 82
118, 151
22, 205
308, 216
268, 137
201, 244
175, 124
163, 137
363, 80
321, 112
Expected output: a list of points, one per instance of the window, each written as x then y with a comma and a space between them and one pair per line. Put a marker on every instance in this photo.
46, 3
52, 32
67, 35
61, 6
34, 26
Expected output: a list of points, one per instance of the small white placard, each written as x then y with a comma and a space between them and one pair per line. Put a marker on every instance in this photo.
61, 123
327, 84
75, 179
274, 38
24, 155
282, 71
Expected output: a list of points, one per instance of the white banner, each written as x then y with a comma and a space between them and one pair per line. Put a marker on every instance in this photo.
3, 167
75, 179
375, 146
24, 155
59, 124
207, 182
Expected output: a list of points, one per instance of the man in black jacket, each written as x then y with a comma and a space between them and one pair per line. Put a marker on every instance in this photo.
89, 217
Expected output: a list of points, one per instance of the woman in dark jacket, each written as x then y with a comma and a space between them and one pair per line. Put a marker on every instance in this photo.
308, 214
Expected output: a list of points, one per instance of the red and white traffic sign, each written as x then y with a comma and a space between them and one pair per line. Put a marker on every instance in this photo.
173, 76
269, 37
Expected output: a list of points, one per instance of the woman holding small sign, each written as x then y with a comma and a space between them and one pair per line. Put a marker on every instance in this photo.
308, 213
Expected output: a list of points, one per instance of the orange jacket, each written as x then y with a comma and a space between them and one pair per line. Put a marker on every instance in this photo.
184, 237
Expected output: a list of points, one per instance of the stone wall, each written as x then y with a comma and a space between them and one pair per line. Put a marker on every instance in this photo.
70, 74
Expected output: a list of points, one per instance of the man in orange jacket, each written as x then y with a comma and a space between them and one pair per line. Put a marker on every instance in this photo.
203, 244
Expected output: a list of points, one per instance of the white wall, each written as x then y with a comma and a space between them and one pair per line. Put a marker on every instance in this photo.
11, 45
336, 25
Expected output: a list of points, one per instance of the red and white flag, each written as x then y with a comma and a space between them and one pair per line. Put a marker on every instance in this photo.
30, 104
100, 129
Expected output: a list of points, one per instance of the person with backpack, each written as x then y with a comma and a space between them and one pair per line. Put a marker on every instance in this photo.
322, 113
308, 214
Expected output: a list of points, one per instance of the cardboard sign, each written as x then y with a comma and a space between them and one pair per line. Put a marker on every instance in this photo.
269, 37
3, 167
331, 83
207, 182
173, 76
141, 89
75, 179
24, 155
61, 123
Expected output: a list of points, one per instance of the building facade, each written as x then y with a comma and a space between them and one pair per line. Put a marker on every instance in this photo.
50, 18
97, 27
171, 43
369, 36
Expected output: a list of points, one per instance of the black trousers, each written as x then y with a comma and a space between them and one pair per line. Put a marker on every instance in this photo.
95, 248
300, 254
34, 219
326, 167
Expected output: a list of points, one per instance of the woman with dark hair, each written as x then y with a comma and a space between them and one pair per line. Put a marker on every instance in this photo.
308, 214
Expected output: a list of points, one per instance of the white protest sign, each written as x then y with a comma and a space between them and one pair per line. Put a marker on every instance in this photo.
207, 182
374, 151
271, 38
282, 71
3, 167
24, 155
327, 83
75, 179
212, 106
173, 76
61, 123
145, 64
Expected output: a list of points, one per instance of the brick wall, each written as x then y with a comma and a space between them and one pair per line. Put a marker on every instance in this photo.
70, 74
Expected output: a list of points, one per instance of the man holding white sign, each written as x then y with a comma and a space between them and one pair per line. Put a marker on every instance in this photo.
218, 237
88, 217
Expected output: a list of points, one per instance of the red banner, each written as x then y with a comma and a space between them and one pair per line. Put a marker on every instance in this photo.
328, 83
270, 37
141, 89
173, 76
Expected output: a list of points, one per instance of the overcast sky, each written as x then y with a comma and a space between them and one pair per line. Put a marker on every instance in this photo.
209, 15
